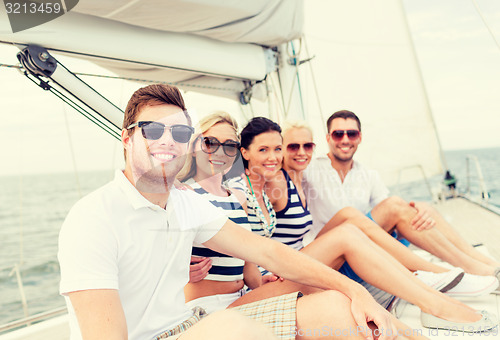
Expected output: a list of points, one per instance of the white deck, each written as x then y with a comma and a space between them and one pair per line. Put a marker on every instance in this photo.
461, 213
464, 216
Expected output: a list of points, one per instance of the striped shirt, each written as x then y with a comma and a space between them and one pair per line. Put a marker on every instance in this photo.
256, 224
224, 267
294, 221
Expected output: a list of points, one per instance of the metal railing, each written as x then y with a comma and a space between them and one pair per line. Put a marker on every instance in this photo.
484, 194
424, 177
33, 318
28, 319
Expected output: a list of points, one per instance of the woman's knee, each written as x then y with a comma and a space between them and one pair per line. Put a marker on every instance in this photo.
328, 310
349, 212
350, 232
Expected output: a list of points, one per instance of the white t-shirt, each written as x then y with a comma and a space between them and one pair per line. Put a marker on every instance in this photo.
327, 194
114, 238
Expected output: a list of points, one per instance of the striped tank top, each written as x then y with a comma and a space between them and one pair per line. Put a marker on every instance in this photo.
224, 267
294, 221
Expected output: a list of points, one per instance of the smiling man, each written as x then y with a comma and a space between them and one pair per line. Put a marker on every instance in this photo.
124, 251
339, 181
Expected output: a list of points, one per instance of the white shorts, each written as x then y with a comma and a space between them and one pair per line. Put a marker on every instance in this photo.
214, 303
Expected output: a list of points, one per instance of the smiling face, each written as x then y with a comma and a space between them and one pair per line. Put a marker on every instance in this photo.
297, 160
343, 150
209, 164
264, 154
153, 164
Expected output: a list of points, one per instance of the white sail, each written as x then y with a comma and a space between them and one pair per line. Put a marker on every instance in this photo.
364, 62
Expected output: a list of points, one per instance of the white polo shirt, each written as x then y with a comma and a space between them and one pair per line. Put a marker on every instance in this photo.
114, 238
327, 194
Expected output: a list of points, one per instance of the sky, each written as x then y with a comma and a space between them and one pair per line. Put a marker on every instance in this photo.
459, 59
460, 62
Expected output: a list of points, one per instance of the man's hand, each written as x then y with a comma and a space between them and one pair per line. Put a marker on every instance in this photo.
365, 309
423, 219
181, 186
271, 278
199, 268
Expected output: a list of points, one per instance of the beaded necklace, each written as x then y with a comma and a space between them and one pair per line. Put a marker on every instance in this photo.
268, 228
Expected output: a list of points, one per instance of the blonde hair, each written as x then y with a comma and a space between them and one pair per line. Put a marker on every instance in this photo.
205, 124
296, 124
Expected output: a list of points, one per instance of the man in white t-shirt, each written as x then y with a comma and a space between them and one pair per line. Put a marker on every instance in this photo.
125, 249
338, 181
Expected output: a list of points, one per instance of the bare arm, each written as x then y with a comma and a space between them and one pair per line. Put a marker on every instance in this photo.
251, 275
100, 314
296, 266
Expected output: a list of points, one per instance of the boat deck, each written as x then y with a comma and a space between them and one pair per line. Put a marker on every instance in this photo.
477, 225
462, 214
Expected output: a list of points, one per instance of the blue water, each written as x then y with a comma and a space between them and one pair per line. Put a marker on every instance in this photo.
32, 208
489, 160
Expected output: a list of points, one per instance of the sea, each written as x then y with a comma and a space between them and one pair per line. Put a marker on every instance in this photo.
33, 207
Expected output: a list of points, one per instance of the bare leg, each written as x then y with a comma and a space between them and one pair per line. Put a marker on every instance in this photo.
228, 325
326, 315
378, 235
381, 270
316, 317
396, 212
451, 234
376, 267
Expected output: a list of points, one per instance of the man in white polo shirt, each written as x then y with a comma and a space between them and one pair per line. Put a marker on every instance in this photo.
125, 249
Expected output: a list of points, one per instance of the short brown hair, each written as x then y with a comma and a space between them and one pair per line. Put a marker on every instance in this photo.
151, 95
156, 94
346, 114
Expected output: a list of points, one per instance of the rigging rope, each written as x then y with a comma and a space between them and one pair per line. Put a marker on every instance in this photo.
75, 106
296, 59
140, 80
486, 24
21, 221
315, 86
72, 151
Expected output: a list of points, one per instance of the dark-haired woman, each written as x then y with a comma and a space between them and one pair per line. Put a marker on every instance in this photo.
261, 148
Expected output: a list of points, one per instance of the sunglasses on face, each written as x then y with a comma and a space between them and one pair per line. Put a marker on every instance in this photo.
211, 145
154, 130
294, 147
337, 135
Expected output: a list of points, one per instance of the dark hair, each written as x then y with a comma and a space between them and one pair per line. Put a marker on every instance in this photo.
255, 127
342, 114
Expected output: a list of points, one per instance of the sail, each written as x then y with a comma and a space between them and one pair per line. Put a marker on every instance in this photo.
363, 61
177, 41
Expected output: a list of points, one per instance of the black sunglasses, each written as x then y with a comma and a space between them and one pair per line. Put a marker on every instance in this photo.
154, 130
337, 135
294, 147
212, 144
